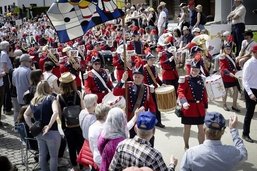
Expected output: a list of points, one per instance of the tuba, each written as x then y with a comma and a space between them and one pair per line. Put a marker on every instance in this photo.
52, 55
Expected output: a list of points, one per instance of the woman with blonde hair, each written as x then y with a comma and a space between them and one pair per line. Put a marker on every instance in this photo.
44, 108
200, 17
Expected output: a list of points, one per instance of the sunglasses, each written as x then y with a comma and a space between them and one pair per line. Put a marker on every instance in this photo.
97, 63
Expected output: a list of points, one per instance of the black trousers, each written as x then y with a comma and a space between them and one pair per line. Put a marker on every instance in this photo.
1, 99
158, 113
250, 107
7, 94
75, 141
238, 35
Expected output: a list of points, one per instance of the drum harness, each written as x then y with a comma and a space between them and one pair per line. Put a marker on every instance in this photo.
101, 79
151, 74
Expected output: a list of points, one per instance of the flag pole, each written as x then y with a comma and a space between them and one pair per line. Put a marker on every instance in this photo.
125, 60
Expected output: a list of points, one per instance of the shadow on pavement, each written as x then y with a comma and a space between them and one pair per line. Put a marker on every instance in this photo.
247, 167
177, 131
10, 143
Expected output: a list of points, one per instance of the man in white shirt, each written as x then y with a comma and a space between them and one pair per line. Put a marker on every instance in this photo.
237, 18
50, 77
161, 20
250, 86
49, 32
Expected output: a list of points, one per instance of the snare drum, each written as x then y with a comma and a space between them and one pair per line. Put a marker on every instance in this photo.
166, 98
215, 87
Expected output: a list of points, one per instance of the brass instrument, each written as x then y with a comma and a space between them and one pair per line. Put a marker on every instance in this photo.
52, 55
73, 59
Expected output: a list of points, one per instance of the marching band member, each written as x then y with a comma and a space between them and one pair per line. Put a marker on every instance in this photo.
169, 71
227, 70
97, 80
196, 54
152, 79
118, 63
193, 98
138, 44
138, 93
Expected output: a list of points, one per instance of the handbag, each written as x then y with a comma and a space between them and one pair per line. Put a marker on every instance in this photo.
178, 111
37, 126
85, 156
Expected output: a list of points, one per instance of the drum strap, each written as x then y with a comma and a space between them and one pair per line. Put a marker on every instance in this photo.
151, 74
101, 79
231, 60
139, 100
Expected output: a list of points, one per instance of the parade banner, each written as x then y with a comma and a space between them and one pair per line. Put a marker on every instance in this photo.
73, 18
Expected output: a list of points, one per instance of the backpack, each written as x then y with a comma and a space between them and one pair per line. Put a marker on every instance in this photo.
71, 112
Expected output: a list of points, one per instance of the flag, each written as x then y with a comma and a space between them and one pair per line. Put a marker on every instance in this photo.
73, 18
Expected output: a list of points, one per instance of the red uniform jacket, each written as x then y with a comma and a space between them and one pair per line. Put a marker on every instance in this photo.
119, 64
227, 67
193, 91
133, 91
94, 85
148, 79
169, 71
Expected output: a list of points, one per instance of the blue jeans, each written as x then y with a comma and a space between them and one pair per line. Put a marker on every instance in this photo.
49, 143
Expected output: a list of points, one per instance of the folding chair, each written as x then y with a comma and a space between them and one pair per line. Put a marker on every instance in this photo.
30, 151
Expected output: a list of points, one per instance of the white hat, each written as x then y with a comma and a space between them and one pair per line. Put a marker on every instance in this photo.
162, 3
66, 49
226, 33
185, 28
196, 30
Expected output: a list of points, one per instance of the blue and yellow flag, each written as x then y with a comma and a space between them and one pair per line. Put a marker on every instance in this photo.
73, 18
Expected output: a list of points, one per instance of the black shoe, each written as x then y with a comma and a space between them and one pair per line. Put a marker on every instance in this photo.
226, 108
160, 125
235, 109
247, 138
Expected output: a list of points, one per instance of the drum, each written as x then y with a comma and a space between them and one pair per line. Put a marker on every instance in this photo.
215, 87
166, 98
114, 101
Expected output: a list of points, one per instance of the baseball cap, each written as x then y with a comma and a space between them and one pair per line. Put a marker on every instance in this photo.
196, 30
146, 120
215, 120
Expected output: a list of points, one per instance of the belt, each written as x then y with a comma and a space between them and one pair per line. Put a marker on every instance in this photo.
193, 101
237, 24
169, 69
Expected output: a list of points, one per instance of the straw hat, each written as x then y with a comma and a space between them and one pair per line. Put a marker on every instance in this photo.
67, 77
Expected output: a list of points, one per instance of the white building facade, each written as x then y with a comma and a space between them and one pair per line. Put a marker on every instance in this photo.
6, 4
